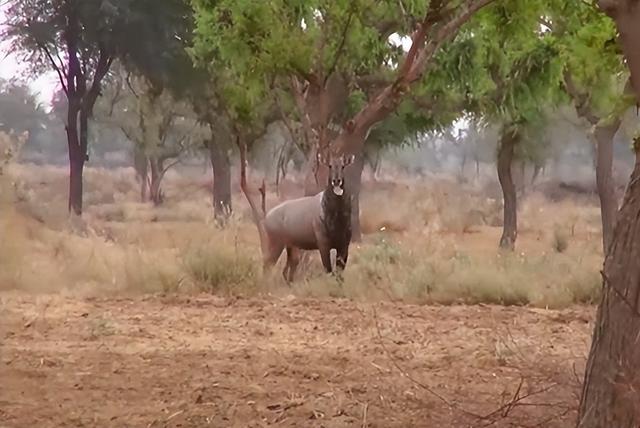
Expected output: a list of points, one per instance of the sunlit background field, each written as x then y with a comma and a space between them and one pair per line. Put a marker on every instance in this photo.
427, 239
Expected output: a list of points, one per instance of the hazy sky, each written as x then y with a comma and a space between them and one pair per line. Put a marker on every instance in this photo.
10, 67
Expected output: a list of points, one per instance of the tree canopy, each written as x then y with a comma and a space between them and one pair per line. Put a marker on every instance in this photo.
19, 109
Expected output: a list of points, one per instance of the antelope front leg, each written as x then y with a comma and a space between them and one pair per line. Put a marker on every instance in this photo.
341, 258
325, 256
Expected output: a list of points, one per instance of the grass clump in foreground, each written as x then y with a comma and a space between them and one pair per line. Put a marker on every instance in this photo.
383, 270
217, 269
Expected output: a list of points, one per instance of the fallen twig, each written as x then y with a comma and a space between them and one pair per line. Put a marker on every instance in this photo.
364, 415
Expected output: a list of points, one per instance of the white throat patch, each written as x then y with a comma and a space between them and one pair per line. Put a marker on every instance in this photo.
338, 190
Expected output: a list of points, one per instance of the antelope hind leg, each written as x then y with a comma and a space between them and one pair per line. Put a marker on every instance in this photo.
293, 259
270, 259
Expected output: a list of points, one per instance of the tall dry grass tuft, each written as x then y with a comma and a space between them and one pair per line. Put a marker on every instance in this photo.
13, 234
222, 270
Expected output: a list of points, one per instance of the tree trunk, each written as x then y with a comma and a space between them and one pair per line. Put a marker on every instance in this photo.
76, 168
505, 160
523, 183
353, 186
141, 166
536, 172
463, 163
76, 157
603, 136
221, 181
155, 189
144, 187
610, 394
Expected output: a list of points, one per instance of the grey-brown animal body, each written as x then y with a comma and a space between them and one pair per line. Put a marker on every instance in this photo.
321, 222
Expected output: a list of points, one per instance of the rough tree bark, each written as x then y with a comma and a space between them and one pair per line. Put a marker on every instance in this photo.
508, 142
221, 181
610, 394
603, 136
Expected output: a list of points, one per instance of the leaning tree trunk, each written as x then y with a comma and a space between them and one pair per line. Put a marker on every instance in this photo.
603, 136
221, 181
505, 160
610, 394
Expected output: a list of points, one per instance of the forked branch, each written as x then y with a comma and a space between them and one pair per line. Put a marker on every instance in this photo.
416, 63
59, 68
580, 99
257, 213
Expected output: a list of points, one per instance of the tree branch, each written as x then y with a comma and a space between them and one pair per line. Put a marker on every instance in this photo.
288, 124
258, 212
302, 110
62, 74
171, 165
443, 34
413, 68
580, 99
340, 49
128, 134
102, 68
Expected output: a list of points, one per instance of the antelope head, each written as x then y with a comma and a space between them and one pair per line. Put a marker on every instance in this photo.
336, 171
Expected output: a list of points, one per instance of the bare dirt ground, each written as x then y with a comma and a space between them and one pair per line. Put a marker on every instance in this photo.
177, 361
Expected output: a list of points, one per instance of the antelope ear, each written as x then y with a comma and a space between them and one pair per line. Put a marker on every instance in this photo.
320, 158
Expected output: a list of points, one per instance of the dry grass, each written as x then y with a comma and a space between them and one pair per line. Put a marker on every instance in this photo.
432, 242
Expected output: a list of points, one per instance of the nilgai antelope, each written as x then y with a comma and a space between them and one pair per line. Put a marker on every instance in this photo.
320, 222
